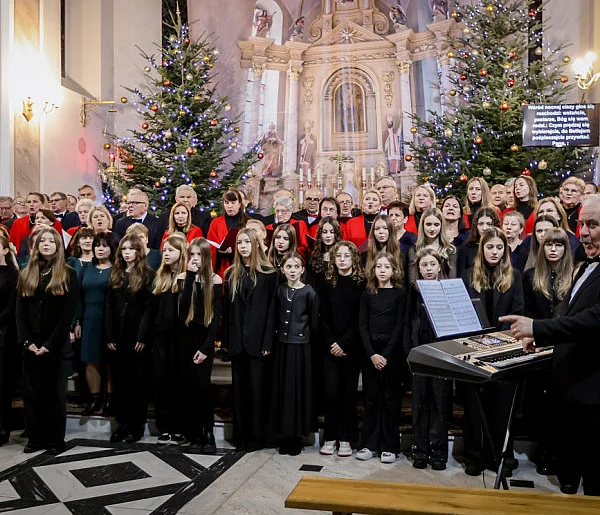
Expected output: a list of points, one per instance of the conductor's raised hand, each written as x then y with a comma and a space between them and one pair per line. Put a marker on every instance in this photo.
520, 327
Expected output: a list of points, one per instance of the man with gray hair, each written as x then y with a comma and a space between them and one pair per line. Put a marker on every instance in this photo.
186, 194
7, 212
283, 215
137, 211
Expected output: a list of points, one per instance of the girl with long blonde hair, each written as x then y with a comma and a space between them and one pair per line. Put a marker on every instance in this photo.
248, 332
167, 286
199, 317
180, 221
47, 293
382, 238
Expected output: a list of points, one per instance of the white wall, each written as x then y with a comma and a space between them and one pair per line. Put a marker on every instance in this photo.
6, 118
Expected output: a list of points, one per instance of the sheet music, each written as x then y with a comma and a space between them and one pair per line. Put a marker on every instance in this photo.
449, 307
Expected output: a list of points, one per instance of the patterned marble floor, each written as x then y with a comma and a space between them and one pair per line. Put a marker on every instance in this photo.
96, 477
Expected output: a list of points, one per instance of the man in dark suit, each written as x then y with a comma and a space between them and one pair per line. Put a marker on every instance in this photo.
7, 212
58, 205
187, 195
137, 211
310, 214
576, 361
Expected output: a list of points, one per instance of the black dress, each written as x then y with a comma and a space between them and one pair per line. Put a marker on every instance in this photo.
382, 318
44, 319
10, 354
129, 320
292, 406
193, 381
339, 313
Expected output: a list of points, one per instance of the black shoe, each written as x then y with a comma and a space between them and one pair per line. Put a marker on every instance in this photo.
284, 449
209, 445
134, 437
473, 469
295, 450
546, 468
32, 447
108, 410
94, 407
420, 463
438, 463
569, 489
56, 449
119, 435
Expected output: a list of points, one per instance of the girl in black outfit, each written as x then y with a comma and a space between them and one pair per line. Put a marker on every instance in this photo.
484, 218
283, 241
199, 317
128, 333
328, 234
166, 297
9, 356
382, 311
47, 294
431, 396
544, 287
293, 409
500, 289
248, 331
340, 306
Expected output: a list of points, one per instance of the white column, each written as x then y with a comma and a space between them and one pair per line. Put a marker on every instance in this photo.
408, 178
290, 157
7, 181
257, 74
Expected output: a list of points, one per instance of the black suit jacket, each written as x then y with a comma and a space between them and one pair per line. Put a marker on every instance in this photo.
200, 219
303, 215
574, 332
151, 222
70, 219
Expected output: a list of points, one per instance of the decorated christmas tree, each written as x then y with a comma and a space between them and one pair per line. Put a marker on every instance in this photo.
497, 65
186, 135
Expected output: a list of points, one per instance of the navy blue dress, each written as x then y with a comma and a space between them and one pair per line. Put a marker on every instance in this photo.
93, 282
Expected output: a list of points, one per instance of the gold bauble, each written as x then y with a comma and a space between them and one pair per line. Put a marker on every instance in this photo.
486, 105
147, 69
466, 30
566, 59
181, 112
236, 129
123, 100
413, 130
564, 78
514, 147
454, 14
227, 107
538, 51
213, 214
163, 180
233, 144
489, 8
450, 54
206, 58
193, 184
210, 65
542, 165
452, 92
106, 146
197, 98
448, 132
506, 66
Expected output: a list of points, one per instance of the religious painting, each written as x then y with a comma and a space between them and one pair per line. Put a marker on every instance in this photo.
349, 108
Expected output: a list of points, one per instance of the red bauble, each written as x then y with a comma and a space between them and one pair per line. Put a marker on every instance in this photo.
463, 76
532, 13
408, 158
478, 140
165, 64
483, 72
144, 125
166, 83
157, 184
510, 83
154, 108
189, 151
526, 172
524, 103
464, 55
260, 155
213, 174
214, 123
511, 54
186, 41
505, 106
463, 178
130, 166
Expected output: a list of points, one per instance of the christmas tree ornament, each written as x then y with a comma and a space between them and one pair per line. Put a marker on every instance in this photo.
172, 38
483, 72
260, 155
464, 55
408, 158
189, 151
413, 130
144, 125
214, 123
566, 59
466, 88
526, 171
507, 66
107, 146
542, 165
463, 178
486, 171
236, 129
168, 134
189, 76
233, 144
490, 8
214, 214
166, 83
123, 100
157, 184
197, 98
532, 13
130, 166
454, 15
227, 107
163, 180
147, 68
213, 174
448, 132
193, 184
524, 103
154, 108
452, 92
510, 83
182, 112
463, 76
512, 54
538, 51
206, 58
475, 52
466, 30
165, 63
514, 147
194, 151
450, 54
564, 78
504, 106
211, 65
486, 105
186, 41
124, 198
478, 140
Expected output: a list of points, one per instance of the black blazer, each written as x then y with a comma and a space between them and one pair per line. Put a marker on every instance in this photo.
303, 215
152, 224
69, 220
249, 319
574, 333
496, 303
200, 219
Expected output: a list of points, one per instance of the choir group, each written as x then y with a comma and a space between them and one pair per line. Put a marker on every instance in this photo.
303, 303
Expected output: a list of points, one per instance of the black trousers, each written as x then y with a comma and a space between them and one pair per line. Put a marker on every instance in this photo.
579, 446
341, 384
382, 407
130, 392
497, 399
45, 398
10, 364
163, 357
251, 379
194, 393
432, 405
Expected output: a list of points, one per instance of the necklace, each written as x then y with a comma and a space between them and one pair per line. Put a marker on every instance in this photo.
46, 272
289, 294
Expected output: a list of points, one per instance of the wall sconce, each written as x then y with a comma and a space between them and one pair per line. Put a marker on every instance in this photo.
584, 71
28, 104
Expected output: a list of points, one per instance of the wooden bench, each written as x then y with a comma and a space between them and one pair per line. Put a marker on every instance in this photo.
347, 496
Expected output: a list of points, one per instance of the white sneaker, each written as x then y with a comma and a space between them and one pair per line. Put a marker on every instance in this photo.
345, 449
364, 454
388, 457
328, 447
